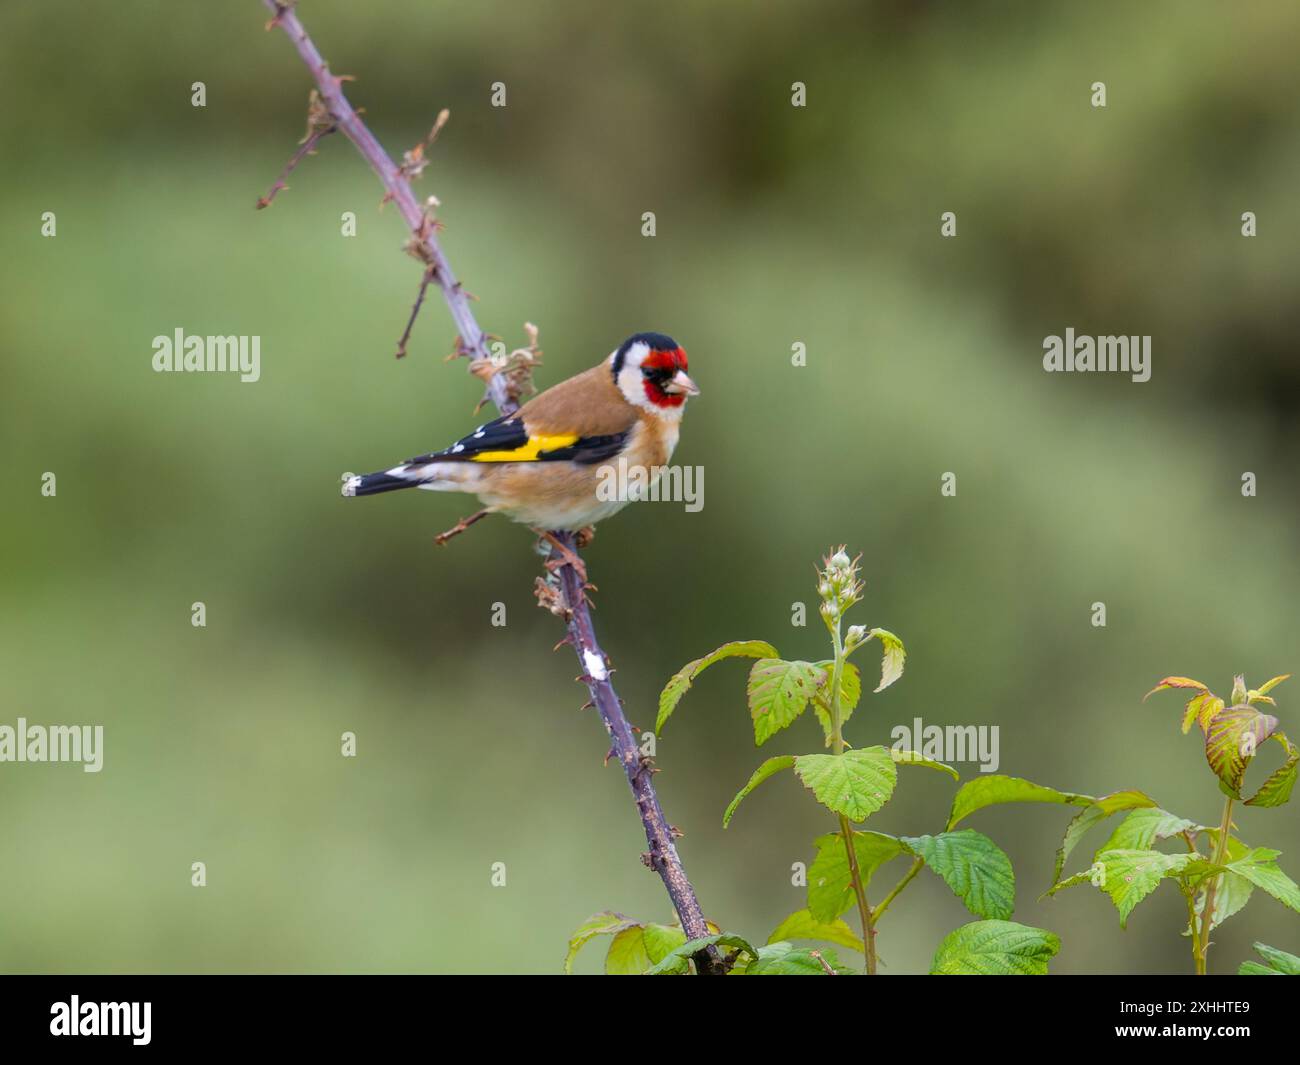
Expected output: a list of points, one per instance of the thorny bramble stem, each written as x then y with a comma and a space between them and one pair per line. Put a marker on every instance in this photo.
663, 856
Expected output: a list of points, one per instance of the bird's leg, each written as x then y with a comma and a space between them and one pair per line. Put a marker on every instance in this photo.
567, 557
584, 536
460, 527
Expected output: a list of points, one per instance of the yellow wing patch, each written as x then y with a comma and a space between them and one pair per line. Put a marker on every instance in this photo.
528, 452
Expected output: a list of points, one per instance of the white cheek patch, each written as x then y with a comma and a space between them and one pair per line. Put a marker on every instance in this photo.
631, 382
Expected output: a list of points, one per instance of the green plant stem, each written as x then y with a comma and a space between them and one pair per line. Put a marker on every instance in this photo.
864, 907
1211, 889
846, 829
908, 877
1197, 956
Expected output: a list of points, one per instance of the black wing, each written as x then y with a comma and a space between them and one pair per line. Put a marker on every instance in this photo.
506, 440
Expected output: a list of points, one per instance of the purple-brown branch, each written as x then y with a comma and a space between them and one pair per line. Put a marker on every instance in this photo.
425, 281
662, 856
316, 131
398, 189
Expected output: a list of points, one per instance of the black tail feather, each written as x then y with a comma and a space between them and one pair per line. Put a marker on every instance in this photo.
370, 484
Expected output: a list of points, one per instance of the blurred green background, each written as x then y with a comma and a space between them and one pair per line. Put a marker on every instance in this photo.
775, 225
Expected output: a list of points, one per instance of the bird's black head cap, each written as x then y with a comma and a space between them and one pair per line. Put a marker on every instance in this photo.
655, 341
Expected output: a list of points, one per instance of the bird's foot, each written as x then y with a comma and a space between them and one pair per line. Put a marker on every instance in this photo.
460, 527
562, 556
583, 537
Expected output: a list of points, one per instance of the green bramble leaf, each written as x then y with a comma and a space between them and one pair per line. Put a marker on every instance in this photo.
779, 692
635, 949
662, 939
803, 925
856, 783
1143, 827
1092, 815
627, 955
850, 693
785, 959
1231, 741
606, 923
894, 655
976, 868
635, 945
830, 889
1200, 710
1128, 876
1261, 870
677, 962
995, 948
1276, 790
1261, 693
1174, 682
767, 769
1280, 963
1230, 897
680, 682
912, 758
992, 790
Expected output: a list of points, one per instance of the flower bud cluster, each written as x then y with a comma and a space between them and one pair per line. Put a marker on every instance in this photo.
838, 587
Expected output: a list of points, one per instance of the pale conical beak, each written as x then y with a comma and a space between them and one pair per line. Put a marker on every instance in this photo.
681, 385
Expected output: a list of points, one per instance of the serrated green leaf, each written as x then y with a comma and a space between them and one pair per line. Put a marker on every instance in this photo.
779, 691
662, 939
856, 783
1084, 877
850, 693
976, 868
1143, 827
1232, 893
1092, 815
830, 889
1200, 710
1267, 687
893, 655
767, 769
679, 683
1261, 870
992, 790
1174, 682
1231, 741
785, 959
605, 923
1280, 963
912, 758
1129, 876
995, 948
677, 962
803, 925
1230, 896
1276, 790
627, 955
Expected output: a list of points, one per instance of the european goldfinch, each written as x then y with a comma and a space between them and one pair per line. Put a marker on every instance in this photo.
544, 465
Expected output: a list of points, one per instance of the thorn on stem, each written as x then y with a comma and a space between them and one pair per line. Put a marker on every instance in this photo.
415, 311
320, 124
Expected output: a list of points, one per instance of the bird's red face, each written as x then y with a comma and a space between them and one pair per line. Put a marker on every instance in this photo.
666, 383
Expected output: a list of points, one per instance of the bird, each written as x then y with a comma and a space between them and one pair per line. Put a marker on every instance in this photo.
549, 464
